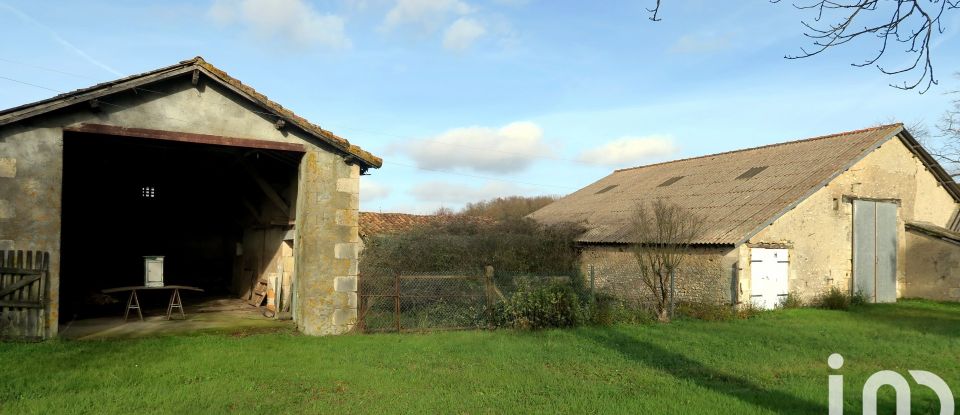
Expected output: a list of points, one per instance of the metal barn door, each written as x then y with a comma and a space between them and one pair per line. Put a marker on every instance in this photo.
768, 276
875, 250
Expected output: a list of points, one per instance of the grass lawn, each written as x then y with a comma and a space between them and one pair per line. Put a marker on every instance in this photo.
775, 363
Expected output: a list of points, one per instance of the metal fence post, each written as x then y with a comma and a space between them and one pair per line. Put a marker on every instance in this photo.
592, 281
672, 291
361, 304
397, 300
488, 284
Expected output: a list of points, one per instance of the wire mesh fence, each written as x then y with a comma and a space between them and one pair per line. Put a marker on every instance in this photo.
392, 301
608, 291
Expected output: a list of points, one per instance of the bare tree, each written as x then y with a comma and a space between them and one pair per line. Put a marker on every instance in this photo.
911, 23
947, 151
507, 208
664, 233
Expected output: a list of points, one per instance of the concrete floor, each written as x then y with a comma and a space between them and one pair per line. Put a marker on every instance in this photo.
228, 315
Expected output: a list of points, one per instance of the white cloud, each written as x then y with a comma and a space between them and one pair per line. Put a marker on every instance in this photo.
428, 15
291, 20
702, 43
371, 190
630, 150
511, 148
358, 5
462, 33
454, 194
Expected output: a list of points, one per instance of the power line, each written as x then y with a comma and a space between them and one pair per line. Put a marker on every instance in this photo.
43, 68
33, 85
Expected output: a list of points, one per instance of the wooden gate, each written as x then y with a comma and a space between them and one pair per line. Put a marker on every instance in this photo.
23, 299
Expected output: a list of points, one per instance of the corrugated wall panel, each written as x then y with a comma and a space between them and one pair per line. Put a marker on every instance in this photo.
864, 247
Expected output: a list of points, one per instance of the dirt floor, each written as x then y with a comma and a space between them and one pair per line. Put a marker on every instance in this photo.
211, 314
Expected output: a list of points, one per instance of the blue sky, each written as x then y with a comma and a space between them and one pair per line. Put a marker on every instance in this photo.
467, 100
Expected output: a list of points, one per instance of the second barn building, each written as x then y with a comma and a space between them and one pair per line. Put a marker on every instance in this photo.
866, 211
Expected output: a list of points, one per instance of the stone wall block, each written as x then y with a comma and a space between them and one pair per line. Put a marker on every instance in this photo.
348, 185
344, 316
8, 167
7, 210
347, 217
346, 250
345, 284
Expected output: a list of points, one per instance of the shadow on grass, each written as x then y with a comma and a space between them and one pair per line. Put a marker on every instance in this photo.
928, 317
681, 367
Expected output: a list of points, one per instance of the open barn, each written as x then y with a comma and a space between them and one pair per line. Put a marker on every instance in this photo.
237, 194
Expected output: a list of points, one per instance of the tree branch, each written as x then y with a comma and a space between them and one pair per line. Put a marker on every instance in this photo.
912, 23
654, 11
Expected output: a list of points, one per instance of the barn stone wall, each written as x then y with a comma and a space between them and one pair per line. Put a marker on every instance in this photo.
932, 267
328, 244
818, 231
707, 276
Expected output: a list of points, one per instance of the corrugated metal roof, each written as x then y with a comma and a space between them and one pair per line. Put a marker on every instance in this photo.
714, 187
934, 231
33, 109
954, 223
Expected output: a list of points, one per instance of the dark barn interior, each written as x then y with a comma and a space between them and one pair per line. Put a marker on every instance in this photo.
205, 208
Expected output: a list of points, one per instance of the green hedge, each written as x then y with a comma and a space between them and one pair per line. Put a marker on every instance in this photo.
461, 244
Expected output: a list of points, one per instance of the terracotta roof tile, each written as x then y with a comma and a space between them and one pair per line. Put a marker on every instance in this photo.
373, 223
290, 115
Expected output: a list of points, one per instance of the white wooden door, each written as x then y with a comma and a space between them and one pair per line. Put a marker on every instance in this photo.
768, 276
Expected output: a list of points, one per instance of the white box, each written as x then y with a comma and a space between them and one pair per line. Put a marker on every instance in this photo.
153, 271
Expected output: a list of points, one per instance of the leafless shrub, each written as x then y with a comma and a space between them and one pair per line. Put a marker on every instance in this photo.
664, 233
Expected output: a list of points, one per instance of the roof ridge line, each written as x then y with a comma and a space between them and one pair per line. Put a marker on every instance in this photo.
821, 137
94, 87
198, 63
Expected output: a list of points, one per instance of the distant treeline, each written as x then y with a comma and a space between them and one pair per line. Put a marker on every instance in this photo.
504, 208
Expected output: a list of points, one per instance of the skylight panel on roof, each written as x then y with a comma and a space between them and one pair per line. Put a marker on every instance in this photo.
752, 172
606, 189
670, 181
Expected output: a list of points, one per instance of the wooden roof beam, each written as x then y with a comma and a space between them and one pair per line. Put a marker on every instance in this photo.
268, 190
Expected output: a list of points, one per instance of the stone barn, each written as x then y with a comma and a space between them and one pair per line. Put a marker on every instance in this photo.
866, 211
187, 163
